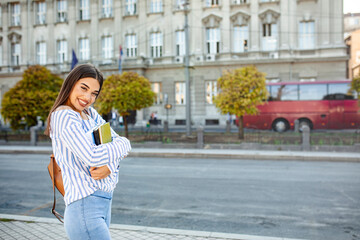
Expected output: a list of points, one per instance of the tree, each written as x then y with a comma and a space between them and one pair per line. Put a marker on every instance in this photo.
355, 85
125, 92
32, 96
241, 91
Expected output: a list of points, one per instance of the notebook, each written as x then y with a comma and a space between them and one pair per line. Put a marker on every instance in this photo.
102, 134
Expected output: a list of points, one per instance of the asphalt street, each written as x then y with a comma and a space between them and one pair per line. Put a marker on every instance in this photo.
294, 199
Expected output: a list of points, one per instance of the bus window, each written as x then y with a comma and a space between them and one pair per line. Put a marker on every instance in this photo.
342, 88
274, 93
312, 91
339, 88
268, 88
284, 92
289, 92
269, 91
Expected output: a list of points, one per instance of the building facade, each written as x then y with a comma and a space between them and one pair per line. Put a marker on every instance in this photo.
353, 43
292, 40
351, 23
352, 40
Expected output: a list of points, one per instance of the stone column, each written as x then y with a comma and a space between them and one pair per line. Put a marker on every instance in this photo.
305, 138
200, 137
254, 26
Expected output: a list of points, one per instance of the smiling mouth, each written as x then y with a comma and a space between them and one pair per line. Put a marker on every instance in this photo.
83, 103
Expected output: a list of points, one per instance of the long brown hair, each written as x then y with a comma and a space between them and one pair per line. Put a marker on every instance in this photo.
79, 72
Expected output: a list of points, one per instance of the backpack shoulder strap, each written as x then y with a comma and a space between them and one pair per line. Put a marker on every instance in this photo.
57, 215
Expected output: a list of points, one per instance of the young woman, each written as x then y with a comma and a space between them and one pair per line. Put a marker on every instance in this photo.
89, 171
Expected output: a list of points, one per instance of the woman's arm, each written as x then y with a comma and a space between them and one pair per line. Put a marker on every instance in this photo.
115, 137
73, 136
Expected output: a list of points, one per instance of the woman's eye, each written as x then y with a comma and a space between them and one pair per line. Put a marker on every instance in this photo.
83, 88
95, 94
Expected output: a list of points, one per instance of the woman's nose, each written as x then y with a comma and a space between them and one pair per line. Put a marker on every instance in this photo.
88, 96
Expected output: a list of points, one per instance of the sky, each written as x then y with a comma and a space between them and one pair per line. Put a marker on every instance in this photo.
352, 6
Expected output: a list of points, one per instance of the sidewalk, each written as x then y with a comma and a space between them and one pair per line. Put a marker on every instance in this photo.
210, 153
24, 227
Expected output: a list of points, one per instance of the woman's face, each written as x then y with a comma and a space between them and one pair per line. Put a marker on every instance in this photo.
83, 94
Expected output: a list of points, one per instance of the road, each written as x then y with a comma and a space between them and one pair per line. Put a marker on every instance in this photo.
293, 199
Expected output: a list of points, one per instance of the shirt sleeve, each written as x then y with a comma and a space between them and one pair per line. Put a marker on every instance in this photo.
121, 142
124, 145
74, 137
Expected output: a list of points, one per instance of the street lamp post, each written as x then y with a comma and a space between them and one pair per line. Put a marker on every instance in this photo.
187, 73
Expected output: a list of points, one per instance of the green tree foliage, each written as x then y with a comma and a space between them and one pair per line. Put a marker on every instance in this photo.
125, 92
355, 85
241, 91
32, 96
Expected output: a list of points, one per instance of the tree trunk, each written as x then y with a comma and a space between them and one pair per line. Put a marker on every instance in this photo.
241, 128
126, 126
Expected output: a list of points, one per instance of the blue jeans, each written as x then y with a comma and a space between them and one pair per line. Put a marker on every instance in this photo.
89, 218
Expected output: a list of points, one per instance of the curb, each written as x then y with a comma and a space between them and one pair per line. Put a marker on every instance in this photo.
25, 150
151, 229
246, 156
209, 153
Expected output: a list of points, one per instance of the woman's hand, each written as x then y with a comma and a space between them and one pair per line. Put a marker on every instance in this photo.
99, 173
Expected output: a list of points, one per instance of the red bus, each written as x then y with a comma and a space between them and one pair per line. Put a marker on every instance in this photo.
319, 105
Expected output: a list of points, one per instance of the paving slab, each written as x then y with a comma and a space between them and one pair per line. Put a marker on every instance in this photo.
25, 227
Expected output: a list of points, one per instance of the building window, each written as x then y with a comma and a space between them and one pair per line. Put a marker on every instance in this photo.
41, 53
241, 38
15, 54
15, 14
131, 45
212, 3
180, 93
306, 35
156, 6
156, 45
269, 36
106, 8
40, 13
211, 91
180, 43
238, 2
61, 10
130, 7
180, 4
107, 47
62, 51
84, 12
84, 49
213, 40
157, 89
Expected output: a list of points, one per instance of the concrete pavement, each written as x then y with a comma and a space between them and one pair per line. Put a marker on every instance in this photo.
210, 153
24, 227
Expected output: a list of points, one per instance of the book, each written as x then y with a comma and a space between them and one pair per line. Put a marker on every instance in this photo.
102, 134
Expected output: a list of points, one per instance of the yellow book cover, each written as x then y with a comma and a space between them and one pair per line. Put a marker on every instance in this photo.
102, 134
105, 133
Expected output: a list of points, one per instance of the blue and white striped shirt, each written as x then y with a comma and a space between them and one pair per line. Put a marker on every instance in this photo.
75, 152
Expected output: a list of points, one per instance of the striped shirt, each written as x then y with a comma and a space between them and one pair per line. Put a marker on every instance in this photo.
75, 152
